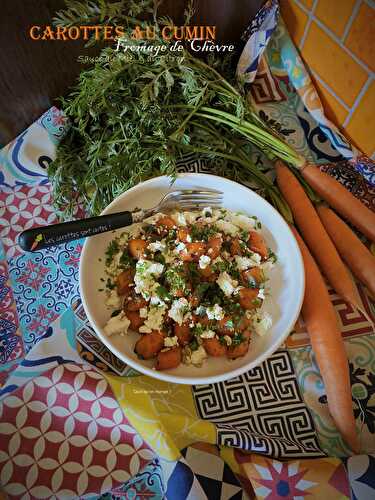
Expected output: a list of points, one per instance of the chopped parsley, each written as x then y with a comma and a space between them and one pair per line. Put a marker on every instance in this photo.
203, 233
175, 280
198, 329
272, 256
126, 260
237, 339
110, 285
159, 257
202, 288
229, 324
257, 302
163, 293
222, 266
193, 345
111, 251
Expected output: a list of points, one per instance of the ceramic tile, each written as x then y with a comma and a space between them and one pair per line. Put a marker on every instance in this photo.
333, 109
307, 3
362, 124
332, 63
361, 36
294, 18
335, 14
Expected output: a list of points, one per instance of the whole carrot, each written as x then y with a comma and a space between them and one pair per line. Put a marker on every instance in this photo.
328, 345
356, 255
316, 236
336, 195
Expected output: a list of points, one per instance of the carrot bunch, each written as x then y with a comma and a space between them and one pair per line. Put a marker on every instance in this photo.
332, 244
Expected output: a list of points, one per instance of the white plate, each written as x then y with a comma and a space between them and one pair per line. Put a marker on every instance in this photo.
286, 279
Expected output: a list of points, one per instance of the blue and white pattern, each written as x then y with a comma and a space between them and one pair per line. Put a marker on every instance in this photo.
44, 284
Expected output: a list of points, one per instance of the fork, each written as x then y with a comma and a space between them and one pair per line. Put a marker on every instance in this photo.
37, 238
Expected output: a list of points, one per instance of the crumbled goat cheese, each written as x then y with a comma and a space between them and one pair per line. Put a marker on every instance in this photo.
204, 261
242, 221
228, 339
113, 300
156, 300
262, 323
143, 312
256, 258
179, 218
208, 334
227, 227
190, 217
200, 310
207, 212
170, 341
197, 357
157, 246
178, 309
244, 263
226, 283
117, 324
215, 312
181, 247
267, 266
144, 279
154, 319
261, 294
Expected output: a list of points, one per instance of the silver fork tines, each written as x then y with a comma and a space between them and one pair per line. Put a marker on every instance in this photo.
186, 199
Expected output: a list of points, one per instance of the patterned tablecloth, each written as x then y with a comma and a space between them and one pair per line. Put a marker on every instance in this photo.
77, 422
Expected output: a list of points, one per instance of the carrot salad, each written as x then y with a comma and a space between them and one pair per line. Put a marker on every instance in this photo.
192, 284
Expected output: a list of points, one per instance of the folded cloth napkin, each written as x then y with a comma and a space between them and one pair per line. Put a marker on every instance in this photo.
71, 427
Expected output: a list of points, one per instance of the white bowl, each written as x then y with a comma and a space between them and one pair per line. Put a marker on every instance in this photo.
286, 279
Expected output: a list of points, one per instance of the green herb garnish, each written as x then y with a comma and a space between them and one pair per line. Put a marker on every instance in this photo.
237, 339
163, 293
110, 285
115, 313
112, 249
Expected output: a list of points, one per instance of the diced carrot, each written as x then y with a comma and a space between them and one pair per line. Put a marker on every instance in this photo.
135, 320
149, 344
226, 326
124, 282
182, 332
137, 248
257, 244
166, 222
193, 251
234, 352
135, 303
235, 247
208, 274
214, 348
249, 298
167, 360
214, 246
183, 234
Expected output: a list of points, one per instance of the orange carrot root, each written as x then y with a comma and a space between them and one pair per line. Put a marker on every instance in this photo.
336, 195
328, 345
316, 236
355, 254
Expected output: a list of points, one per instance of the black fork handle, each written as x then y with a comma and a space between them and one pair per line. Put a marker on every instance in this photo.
37, 238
